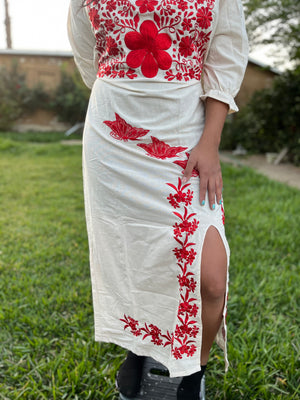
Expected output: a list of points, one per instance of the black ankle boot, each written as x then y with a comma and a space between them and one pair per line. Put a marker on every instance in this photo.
130, 375
189, 387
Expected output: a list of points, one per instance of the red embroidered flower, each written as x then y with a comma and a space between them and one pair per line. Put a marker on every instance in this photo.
182, 5
109, 25
186, 24
121, 130
177, 354
94, 17
191, 350
146, 5
111, 5
112, 46
186, 46
160, 149
204, 17
148, 49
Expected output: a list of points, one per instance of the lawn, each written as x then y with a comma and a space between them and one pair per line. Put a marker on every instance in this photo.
46, 316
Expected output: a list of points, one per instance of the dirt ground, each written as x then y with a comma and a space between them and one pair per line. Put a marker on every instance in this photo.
285, 173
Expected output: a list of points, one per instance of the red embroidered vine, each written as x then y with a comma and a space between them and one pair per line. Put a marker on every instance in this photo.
182, 340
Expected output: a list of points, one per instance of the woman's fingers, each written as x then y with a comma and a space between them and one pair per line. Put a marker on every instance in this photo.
213, 187
203, 189
211, 194
219, 188
188, 170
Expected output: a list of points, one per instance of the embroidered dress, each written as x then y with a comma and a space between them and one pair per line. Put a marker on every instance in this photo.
151, 64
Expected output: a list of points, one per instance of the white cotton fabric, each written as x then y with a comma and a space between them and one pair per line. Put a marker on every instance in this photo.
128, 191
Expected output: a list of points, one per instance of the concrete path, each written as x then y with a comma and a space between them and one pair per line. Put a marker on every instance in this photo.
285, 173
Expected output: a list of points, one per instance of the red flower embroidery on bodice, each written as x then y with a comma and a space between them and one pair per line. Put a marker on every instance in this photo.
148, 49
162, 39
160, 149
121, 130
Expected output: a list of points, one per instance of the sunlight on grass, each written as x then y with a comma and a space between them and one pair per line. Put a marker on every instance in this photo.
46, 316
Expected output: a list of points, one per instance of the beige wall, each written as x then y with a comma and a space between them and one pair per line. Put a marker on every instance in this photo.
256, 78
45, 69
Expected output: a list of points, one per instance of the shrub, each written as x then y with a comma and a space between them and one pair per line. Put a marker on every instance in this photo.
16, 98
70, 99
270, 121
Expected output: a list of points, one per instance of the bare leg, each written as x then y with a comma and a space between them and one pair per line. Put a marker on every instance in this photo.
213, 288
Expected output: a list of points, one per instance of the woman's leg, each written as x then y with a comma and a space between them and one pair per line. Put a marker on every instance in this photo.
213, 288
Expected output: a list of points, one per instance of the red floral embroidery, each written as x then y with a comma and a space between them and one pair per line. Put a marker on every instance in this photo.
223, 213
148, 49
180, 196
112, 47
183, 163
146, 5
204, 17
148, 38
183, 339
121, 130
94, 17
186, 46
160, 149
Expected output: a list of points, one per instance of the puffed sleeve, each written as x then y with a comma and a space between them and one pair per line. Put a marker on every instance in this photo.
227, 56
82, 40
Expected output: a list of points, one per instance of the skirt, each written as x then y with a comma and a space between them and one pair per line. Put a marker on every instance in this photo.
145, 228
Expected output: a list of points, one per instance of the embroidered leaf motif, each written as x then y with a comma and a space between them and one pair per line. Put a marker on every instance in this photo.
121, 130
160, 149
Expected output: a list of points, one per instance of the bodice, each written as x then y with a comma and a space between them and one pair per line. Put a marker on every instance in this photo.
158, 39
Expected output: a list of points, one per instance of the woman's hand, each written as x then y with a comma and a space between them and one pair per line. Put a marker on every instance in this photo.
205, 159
205, 155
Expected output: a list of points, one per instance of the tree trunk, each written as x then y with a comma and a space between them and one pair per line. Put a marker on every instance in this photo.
7, 26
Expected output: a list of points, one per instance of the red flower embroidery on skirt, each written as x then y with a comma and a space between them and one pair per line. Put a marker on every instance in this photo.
160, 149
223, 213
148, 49
183, 339
121, 130
204, 17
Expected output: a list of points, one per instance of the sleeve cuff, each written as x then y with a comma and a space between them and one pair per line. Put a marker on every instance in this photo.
221, 96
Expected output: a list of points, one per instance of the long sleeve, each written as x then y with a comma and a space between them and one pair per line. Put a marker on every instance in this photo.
82, 41
227, 56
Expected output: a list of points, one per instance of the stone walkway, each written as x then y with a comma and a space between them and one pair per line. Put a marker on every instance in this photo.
285, 173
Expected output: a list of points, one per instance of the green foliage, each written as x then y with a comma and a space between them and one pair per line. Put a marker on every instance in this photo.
270, 121
275, 21
70, 99
47, 347
16, 98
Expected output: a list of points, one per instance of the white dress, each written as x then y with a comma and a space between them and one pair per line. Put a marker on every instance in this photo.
151, 64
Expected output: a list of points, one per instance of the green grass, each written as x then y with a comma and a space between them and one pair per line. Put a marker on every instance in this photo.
46, 316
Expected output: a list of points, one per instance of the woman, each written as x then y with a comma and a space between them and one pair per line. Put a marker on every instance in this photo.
163, 74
